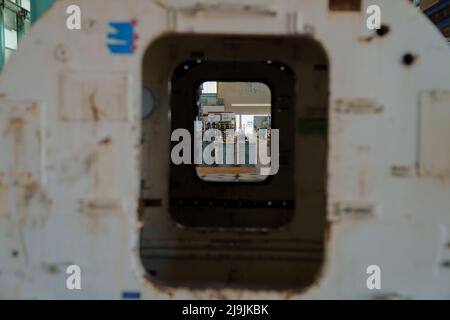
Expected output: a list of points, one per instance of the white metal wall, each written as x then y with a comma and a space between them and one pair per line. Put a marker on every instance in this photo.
70, 178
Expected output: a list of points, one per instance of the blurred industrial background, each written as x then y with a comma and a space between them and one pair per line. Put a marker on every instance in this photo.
16, 17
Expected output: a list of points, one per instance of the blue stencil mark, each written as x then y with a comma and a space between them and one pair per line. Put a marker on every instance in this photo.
122, 40
131, 295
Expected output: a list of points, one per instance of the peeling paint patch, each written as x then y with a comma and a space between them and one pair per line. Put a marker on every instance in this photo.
342, 210
358, 106
434, 152
345, 5
391, 296
94, 211
21, 141
401, 171
95, 97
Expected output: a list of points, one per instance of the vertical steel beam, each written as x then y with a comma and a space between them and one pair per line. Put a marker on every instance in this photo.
20, 25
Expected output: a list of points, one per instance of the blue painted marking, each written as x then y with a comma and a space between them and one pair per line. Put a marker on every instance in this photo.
131, 295
122, 40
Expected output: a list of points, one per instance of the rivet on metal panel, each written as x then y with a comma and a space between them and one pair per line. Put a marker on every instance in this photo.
383, 31
62, 53
409, 59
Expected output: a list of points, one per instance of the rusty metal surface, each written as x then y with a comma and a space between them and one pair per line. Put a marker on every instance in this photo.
69, 182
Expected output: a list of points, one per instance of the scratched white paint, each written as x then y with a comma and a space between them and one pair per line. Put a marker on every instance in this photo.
79, 205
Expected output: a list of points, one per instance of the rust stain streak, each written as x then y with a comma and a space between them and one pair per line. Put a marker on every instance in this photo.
93, 106
16, 127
